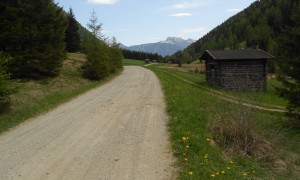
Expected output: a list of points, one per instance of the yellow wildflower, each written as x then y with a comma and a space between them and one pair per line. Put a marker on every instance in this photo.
231, 162
206, 156
184, 154
228, 167
223, 172
185, 159
187, 146
208, 139
190, 173
212, 175
217, 173
184, 138
245, 174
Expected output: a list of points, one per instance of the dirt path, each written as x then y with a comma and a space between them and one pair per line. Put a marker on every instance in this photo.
117, 131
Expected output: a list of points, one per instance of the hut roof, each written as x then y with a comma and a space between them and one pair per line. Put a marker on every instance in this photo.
238, 54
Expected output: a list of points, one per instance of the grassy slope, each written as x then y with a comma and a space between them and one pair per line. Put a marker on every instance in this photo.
35, 97
191, 109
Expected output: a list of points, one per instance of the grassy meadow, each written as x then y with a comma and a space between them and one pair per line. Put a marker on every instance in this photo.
199, 120
35, 97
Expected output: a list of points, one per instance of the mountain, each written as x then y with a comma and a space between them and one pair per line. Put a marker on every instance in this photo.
164, 48
258, 26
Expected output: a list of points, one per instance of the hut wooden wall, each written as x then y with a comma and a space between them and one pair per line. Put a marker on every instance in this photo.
244, 75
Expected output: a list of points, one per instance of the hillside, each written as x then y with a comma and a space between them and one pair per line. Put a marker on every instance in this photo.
258, 26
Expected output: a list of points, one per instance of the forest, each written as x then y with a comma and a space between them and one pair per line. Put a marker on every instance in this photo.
139, 55
35, 37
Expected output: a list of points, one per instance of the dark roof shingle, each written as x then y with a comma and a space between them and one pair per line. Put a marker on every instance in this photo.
238, 54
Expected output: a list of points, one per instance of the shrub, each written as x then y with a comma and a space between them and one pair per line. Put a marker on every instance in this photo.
96, 66
233, 129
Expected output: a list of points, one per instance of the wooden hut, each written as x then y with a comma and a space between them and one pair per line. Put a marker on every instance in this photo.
242, 70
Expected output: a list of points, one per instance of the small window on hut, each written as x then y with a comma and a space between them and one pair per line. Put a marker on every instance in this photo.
212, 67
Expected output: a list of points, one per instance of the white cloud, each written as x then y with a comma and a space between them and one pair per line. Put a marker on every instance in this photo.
233, 10
187, 5
181, 14
111, 2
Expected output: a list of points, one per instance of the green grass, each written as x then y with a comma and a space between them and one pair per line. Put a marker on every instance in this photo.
191, 108
35, 97
270, 97
130, 62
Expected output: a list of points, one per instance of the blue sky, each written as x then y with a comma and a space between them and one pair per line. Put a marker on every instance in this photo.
135, 22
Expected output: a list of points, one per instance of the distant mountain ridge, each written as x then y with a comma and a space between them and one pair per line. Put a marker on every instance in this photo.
164, 48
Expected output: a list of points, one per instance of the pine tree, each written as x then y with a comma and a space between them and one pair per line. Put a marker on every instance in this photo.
96, 66
72, 35
290, 65
33, 33
94, 26
5, 89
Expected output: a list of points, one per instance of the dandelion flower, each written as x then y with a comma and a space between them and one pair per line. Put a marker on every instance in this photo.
184, 138
190, 173
212, 175
223, 172
208, 139
185, 159
245, 174
187, 146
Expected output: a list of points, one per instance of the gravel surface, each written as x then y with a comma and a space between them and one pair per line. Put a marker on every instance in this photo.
116, 131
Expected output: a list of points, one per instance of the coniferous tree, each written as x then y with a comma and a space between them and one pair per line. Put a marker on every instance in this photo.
94, 26
33, 33
72, 34
5, 89
289, 63
96, 66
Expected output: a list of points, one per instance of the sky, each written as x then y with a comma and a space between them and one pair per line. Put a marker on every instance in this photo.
134, 22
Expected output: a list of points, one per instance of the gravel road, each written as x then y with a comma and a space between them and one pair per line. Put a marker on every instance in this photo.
116, 131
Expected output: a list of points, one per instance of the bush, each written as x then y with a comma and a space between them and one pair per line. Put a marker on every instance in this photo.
233, 129
96, 66
5, 89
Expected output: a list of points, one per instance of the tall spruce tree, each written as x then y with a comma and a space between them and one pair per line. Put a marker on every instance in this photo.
289, 63
72, 34
96, 66
94, 26
5, 89
33, 33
